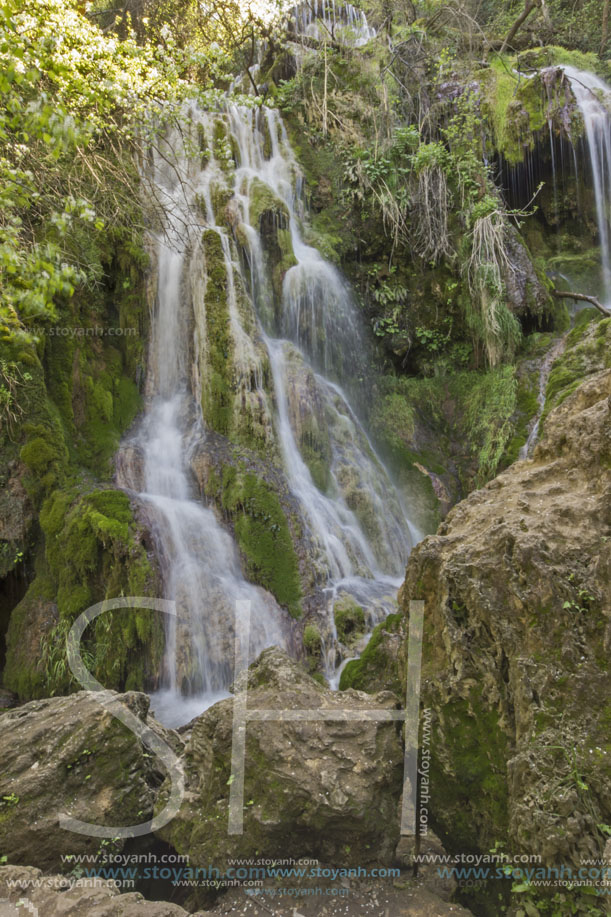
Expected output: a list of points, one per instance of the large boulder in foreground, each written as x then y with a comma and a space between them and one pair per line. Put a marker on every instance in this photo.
325, 789
517, 639
68, 755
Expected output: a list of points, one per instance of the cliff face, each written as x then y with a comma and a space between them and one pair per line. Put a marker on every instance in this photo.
517, 639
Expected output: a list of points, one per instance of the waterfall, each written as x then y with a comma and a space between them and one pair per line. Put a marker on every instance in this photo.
199, 560
295, 343
340, 22
593, 97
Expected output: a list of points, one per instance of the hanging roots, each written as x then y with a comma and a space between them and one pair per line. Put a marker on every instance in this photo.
487, 266
431, 204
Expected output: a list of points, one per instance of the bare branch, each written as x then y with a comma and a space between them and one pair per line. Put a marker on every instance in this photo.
566, 294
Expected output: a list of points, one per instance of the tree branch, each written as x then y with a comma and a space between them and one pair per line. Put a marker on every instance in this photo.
529, 6
565, 294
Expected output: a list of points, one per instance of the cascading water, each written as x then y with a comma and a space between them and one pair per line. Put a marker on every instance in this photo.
544, 373
323, 20
200, 564
593, 97
571, 162
302, 331
357, 520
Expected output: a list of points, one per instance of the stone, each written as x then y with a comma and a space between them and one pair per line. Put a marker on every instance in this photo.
517, 633
349, 619
69, 755
25, 890
318, 788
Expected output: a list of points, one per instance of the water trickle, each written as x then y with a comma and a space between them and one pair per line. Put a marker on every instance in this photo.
544, 372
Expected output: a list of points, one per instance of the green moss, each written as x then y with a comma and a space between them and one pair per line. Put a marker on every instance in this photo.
217, 390
95, 399
221, 145
513, 106
517, 107
265, 205
375, 670
24, 674
220, 196
313, 435
312, 640
271, 216
526, 408
323, 234
202, 144
468, 773
263, 536
318, 462
553, 55
92, 552
349, 619
312, 643
587, 351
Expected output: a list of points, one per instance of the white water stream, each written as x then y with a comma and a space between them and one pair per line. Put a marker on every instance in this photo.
330, 20
357, 525
593, 96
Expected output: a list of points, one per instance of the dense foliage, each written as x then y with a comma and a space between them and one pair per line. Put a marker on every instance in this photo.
76, 105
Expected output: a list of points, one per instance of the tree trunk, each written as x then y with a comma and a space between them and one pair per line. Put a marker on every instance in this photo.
605, 28
529, 6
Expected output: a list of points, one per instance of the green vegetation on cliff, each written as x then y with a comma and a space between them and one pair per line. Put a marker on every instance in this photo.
93, 550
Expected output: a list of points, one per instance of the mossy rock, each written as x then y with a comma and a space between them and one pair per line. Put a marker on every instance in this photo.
312, 644
377, 667
270, 216
349, 619
587, 351
479, 750
263, 536
265, 206
217, 389
93, 551
220, 196
519, 108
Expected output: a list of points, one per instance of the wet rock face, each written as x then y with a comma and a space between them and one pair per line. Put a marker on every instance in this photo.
516, 645
68, 755
526, 293
326, 789
16, 516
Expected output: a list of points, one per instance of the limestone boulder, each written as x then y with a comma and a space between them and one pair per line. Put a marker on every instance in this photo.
69, 755
318, 787
517, 633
